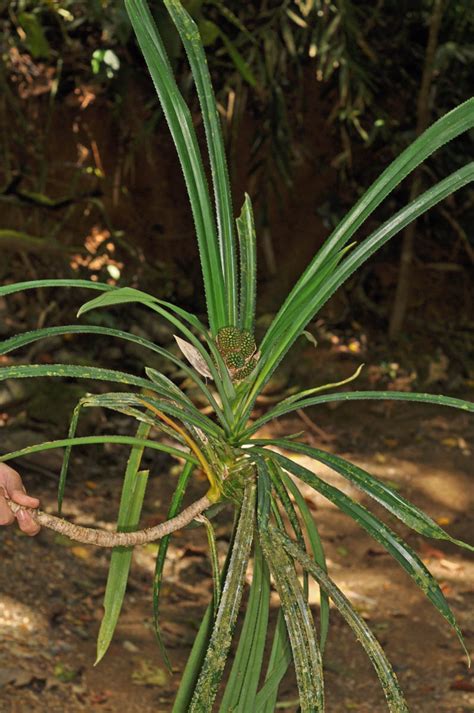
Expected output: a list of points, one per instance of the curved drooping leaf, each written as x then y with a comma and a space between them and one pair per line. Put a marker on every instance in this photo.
21, 340
96, 373
97, 440
120, 402
131, 502
395, 700
191, 40
436, 399
317, 550
28, 371
130, 295
299, 624
219, 644
312, 295
300, 395
393, 501
39, 284
289, 509
400, 550
167, 311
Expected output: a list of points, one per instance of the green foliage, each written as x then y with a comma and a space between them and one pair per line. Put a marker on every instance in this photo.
248, 474
133, 493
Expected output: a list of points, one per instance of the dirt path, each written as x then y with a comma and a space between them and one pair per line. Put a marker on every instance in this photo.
51, 591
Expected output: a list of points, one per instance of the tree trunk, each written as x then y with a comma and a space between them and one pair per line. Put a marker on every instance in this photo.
423, 118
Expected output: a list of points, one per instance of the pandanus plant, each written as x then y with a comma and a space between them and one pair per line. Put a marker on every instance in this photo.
249, 475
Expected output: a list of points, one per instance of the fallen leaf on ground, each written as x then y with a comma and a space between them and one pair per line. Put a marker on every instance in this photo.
452, 566
64, 673
149, 675
462, 684
82, 552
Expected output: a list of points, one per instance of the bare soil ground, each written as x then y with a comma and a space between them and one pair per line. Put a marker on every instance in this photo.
51, 591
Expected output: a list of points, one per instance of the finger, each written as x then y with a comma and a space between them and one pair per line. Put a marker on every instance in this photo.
26, 523
22, 498
10, 479
6, 515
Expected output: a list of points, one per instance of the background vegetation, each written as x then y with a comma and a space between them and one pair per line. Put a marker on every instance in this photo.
316, 97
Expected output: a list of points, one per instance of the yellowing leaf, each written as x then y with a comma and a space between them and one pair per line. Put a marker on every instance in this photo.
149, 675
82, 552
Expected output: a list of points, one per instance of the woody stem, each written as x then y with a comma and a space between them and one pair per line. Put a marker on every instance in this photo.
102, 538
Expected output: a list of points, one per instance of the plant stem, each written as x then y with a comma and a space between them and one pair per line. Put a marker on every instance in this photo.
101, 538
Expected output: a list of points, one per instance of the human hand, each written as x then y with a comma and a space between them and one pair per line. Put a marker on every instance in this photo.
11, 485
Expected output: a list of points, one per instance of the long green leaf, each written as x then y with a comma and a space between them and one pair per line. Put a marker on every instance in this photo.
67, 455
131, 502
317, 549
240, 64
219, 644
246, 406
248, 265
201, 642
121, 403
447, 128
213, 556
24, 371
243, 680
28, 371
385, 232
400, 551
184, 136
395, 700
37, 284
194, 663
130, 295
97, 440
21, 340
191, 40
407, 512
280, 656
289, 509
280, 659
299, 396
163, 545
436, 399
310, 298
167, 311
